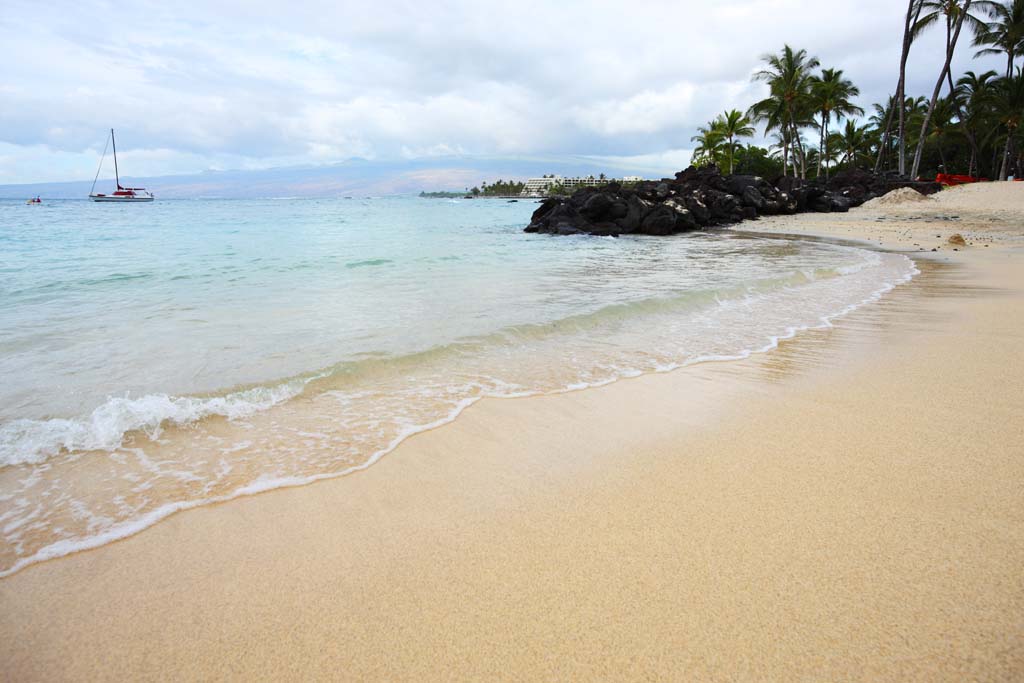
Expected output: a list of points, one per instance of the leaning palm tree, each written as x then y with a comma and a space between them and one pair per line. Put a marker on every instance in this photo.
1004, 33
830, 96
788, 75
955, 13
733, 124
914, 9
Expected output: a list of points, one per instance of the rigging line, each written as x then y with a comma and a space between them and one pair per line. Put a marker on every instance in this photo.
105, 145
113, 143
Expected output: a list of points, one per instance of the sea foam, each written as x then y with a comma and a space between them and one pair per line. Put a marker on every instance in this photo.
33, 441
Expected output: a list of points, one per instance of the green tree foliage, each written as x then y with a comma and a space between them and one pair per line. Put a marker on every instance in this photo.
1009, 110
710, 145
832, 96
855, 144
751, 160
788, 76
733, 124
970, 124
1003, 33
499, 188
716, 142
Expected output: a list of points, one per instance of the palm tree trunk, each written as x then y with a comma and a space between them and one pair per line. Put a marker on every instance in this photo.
938, 87
1004, 167
798, 147
882, 147
949, 72
902, 133
821, 142
913, 14
825, 147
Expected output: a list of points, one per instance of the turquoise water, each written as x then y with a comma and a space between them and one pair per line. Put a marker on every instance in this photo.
161, 356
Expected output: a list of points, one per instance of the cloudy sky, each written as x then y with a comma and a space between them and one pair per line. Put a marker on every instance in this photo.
191, 86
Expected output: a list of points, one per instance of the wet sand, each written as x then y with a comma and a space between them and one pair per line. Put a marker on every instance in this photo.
847, 507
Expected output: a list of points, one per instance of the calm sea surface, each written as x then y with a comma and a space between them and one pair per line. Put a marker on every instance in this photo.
162, 356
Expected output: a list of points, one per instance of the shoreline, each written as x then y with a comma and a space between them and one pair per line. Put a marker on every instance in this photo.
696, 523
129, 528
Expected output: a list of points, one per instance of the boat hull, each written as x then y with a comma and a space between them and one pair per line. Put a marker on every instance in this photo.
120, 200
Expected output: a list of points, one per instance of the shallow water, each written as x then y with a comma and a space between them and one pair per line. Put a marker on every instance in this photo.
157, 357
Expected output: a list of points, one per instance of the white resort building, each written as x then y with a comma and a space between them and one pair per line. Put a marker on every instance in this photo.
538, 187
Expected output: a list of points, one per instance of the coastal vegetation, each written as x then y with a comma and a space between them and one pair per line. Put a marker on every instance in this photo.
968, 124
499, 188
440, 195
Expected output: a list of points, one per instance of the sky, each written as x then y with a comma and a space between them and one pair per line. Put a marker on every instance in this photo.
218, 85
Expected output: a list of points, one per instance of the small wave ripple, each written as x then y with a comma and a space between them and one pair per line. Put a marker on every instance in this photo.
33, 441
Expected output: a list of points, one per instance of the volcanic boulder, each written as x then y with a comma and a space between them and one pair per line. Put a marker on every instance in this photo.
699, 198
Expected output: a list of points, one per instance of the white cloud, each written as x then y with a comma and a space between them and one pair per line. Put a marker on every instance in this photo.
232, 84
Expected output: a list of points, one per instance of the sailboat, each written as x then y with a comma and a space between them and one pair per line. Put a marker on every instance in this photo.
121, 194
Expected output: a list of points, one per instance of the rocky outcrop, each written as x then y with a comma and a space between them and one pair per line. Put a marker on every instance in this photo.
699, 198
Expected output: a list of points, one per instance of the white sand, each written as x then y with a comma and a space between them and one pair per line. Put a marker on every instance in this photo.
898, 197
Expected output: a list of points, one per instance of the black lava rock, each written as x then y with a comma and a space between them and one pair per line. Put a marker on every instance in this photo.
698, 198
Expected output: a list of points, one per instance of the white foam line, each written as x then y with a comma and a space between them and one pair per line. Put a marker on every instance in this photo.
125, 529
33, 441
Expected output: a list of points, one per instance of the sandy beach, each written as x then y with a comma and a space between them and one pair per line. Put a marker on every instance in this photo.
849, 506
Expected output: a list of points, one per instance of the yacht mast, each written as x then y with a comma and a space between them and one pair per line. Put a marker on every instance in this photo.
114, 144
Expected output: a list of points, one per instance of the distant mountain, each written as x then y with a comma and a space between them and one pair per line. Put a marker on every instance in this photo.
356, 177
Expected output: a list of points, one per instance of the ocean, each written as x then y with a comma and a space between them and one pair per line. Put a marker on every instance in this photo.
162, 356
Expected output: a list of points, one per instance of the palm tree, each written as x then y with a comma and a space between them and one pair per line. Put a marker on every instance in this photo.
709, 141
1009, 107
831, 95
914, 8
731, 125
942, 126
771, 112
882, 122
855, 143
813, 155
955, 13
1005, 33
973, 94
914, 109
780, 145
788, 76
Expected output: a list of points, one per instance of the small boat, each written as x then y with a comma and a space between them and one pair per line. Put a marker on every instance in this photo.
34, 200
121, 194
